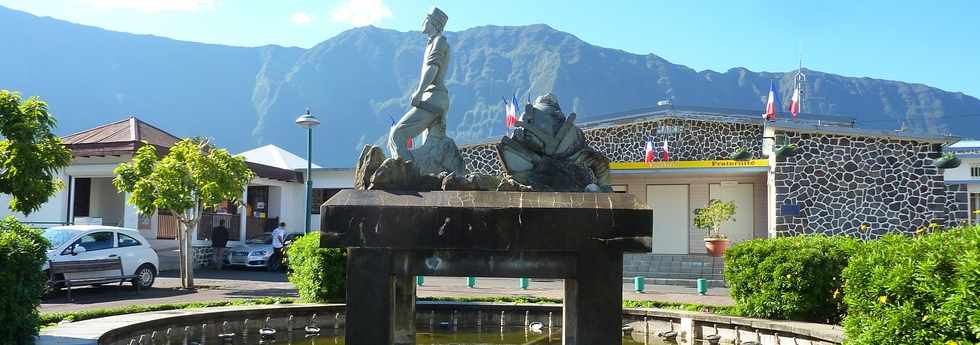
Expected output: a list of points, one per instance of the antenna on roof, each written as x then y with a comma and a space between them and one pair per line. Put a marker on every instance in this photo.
801, 84
903, 128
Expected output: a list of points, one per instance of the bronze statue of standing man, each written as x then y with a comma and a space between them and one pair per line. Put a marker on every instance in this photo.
430, 101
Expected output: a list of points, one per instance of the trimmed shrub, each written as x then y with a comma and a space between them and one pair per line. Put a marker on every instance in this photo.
789, 278
22, 253
921, 290
319, 274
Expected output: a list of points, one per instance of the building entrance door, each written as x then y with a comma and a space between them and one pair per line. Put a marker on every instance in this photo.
740, 229
670, 218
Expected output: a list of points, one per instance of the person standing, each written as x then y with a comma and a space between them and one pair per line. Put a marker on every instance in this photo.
278, 240
219, 240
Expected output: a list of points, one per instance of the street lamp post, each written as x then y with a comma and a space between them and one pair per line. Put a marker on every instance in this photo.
308, 121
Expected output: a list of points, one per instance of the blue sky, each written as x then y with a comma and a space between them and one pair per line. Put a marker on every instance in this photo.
915, 41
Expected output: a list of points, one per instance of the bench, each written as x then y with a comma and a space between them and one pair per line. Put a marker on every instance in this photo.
65, 267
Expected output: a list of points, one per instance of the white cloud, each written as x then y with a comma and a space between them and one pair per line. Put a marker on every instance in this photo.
360, 12
155, 6
301, 18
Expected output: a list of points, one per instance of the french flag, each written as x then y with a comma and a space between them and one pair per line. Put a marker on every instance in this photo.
666, 154
648, 152
794, 103
772, 104
511, 109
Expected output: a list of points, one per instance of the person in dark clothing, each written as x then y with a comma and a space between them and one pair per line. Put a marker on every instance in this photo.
219, 240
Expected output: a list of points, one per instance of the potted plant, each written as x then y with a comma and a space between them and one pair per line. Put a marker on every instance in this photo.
947, 161
710, 218
741, 154
786, 150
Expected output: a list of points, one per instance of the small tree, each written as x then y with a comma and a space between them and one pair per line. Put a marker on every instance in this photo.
192, 177
30, 155
713, 216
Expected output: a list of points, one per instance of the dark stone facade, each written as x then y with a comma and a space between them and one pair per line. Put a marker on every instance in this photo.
686, 140
482, 158
840, 182
861, 186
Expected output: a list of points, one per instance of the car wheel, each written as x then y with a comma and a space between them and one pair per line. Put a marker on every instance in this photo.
145, 276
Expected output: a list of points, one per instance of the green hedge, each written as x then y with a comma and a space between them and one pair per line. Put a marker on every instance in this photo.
318, 274
22, 252
921, 290
789, 278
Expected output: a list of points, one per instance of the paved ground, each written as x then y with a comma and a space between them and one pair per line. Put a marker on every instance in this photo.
212, 285
237, 284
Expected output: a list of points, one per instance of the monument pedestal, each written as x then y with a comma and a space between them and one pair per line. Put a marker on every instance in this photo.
392, 237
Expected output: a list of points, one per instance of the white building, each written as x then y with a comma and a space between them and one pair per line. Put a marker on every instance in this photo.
276, 194
968, 173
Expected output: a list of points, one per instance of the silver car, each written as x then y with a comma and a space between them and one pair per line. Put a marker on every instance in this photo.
256, 252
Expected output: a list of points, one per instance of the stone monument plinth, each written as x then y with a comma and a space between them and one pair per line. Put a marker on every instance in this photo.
393, 236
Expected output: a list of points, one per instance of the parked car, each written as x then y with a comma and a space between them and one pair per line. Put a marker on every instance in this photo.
91, 242
257, 252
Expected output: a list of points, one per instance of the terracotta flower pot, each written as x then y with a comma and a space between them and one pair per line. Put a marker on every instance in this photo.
716, 246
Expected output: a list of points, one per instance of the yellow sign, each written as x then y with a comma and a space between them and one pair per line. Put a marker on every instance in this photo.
688, 164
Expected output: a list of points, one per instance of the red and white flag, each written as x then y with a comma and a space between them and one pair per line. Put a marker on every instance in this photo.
794, 103
666, 154
511, 109
773, 103
648, 152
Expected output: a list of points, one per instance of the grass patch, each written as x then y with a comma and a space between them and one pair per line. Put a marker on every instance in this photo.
495, 299
626, 303
713, 309
48, 319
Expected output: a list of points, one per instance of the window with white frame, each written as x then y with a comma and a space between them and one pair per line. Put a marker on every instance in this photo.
975, 171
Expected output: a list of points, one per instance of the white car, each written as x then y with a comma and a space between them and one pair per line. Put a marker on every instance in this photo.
91, 242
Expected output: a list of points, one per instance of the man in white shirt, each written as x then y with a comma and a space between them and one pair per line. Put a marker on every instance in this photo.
278, 238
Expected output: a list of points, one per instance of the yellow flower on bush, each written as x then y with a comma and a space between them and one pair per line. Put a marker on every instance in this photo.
836, 293
864, 227
951, 342
920, 231
882, 299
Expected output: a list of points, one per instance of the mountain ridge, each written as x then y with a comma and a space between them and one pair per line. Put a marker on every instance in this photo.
359, 81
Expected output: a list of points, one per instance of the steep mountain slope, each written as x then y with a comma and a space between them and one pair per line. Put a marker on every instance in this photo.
359, 80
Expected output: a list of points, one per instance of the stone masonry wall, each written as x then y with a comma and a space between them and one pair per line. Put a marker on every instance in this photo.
840, 182
686, 140
482, 158
862, 186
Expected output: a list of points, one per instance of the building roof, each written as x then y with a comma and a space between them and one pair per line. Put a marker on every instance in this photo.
128, 135
806, 123
125, 136
274, 173
965, 145
275, 156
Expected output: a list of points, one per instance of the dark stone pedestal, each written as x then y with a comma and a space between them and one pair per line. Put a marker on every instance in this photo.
392, 237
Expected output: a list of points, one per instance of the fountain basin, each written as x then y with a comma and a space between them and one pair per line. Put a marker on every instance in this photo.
644, 324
